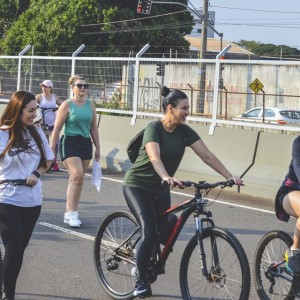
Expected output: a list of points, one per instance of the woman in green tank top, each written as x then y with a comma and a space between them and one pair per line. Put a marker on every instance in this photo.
79, 118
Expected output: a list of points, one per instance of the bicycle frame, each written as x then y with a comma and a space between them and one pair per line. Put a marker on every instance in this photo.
197, 207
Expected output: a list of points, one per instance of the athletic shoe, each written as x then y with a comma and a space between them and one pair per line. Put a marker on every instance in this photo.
292, 258
142, 289
55, 167
71, 218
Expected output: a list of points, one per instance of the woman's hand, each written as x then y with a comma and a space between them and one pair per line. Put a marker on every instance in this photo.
97, 155
32, 180
236, 179
171, 181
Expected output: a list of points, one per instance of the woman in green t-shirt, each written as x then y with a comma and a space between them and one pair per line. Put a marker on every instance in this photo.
162, 149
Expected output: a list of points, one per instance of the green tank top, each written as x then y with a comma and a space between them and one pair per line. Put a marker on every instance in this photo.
79, 119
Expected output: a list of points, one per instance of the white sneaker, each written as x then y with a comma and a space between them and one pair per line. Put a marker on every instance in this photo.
71, 218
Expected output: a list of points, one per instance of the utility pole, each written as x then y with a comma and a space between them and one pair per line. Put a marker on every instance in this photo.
203, 51
204, 30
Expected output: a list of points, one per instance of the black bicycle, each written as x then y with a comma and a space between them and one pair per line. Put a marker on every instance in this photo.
272, 279
7, 183
213, 265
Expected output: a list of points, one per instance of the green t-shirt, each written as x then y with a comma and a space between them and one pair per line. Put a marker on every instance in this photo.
172, 146
79, 119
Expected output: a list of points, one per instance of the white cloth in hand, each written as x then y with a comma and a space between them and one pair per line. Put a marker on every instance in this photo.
96, 175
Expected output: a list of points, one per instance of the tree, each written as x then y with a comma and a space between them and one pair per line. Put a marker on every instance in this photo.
270, 50
56, 27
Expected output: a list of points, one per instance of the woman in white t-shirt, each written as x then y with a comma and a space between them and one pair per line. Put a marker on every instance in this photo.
24, 155
48, 103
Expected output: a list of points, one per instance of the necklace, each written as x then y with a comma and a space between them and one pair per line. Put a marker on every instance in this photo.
78, 102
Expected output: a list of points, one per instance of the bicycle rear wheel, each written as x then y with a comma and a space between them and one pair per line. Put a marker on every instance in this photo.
268, 260
227, 265
114, 254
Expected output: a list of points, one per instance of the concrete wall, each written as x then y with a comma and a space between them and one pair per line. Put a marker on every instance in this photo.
234, 147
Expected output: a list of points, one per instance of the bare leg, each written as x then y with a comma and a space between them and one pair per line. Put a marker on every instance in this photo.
291, 204
77, 169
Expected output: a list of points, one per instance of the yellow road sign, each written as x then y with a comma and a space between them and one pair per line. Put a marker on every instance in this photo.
256, 86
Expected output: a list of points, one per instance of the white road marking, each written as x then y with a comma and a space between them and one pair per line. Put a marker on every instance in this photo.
88, 237
65, 230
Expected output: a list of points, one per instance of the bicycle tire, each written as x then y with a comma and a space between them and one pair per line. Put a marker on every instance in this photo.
230, 279
270, 249
116, 276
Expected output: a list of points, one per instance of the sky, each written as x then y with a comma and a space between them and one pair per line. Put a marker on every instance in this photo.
266, 21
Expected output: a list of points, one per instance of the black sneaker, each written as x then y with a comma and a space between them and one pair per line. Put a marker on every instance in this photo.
142, 289
293, 262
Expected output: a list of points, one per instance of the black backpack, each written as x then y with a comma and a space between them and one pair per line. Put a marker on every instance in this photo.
135, 144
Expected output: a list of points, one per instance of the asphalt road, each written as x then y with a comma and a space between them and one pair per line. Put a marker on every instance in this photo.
58, 262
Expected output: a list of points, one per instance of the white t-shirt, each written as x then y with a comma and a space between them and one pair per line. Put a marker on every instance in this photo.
19, 164
49, 115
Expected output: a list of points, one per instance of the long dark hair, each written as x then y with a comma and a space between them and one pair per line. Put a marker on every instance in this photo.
11, 121
171, 97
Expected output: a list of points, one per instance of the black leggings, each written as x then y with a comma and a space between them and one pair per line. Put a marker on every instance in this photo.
16, 226
146, 207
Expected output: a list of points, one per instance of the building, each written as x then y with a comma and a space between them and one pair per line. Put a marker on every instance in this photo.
197, 28
214, 47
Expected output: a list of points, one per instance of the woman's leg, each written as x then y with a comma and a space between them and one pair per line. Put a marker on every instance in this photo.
16, 226
77, 169
141, 204
291, 204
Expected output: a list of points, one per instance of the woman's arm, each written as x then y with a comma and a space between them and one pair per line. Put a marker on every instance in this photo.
211, 160
61, 117
153, 151
95, 134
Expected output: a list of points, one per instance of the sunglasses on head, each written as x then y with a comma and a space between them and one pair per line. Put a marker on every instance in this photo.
80, 85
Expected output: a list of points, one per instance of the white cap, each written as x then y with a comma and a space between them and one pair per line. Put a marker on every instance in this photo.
46, 83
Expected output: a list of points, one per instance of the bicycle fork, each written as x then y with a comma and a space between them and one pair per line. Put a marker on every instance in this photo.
199, 231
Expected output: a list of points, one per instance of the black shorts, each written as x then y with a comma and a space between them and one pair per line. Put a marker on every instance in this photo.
282, 192
75, 146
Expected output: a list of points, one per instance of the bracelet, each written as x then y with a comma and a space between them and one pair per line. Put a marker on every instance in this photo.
36, 174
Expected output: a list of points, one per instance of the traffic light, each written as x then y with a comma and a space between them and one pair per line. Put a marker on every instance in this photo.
144, 6
160, 69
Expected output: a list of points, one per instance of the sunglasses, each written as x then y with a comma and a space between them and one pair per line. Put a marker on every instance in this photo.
80, 85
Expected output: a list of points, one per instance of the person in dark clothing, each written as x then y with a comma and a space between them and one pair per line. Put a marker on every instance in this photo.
162, 149
287, 204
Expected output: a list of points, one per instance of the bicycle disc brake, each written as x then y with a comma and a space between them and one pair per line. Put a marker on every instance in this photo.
217, 276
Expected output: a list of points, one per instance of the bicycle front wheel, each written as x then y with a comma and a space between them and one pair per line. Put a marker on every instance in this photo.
271, 279
227, 265
114, 254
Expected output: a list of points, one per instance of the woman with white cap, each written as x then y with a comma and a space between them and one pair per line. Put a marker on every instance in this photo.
48, 103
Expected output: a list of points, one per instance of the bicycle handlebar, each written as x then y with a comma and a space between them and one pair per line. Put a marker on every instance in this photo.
47, 108
203, 185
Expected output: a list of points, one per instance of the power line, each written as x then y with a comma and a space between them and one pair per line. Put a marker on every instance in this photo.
258, 10
137, 19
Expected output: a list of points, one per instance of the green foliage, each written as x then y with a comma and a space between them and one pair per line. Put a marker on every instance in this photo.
114, 103
270, 50
59, 27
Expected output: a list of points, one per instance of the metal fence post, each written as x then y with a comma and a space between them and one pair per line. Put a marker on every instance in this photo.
216, 90
20, 65
136, 83
79, 49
